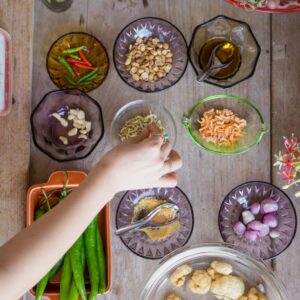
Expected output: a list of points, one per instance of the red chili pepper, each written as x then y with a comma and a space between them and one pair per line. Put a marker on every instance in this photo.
84, 58
76, 70
82, 66
72, 60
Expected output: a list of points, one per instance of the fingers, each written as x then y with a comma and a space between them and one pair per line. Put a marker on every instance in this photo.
173, 163
169, 180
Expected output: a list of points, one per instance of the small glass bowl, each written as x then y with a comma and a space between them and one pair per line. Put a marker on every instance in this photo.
254, 130
241, 198
143, 108
46, 129
137, 241
253, 272
235, 31
166, 32
97, 56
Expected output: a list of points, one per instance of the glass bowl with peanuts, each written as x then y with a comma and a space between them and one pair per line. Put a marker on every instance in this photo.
67, 124
150, 54
225, 124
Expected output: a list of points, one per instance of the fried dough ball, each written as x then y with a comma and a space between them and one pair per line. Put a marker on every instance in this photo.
228, 286
173, 296
177, 278
254, 294
221, 267
200, 282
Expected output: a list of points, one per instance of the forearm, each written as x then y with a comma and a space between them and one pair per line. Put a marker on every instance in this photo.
26, 258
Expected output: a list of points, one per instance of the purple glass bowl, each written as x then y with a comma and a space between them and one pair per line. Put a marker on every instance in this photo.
166, 32
243, 196
46, 129
137, 241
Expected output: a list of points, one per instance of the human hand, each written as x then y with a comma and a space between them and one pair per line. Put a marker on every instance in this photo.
146, 161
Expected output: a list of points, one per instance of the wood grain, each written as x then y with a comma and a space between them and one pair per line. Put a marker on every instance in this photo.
286, 120
205, 178
16, 17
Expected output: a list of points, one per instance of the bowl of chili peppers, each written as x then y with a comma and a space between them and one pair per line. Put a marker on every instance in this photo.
60, 281
77, 60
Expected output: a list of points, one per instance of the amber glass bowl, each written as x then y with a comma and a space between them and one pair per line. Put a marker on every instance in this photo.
96, 55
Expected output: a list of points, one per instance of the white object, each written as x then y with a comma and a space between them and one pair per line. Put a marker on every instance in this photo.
5, 73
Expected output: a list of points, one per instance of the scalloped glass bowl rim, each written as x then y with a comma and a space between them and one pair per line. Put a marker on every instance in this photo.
186, 252
187, 122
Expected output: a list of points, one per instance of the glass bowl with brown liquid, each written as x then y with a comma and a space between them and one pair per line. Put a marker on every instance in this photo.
233, 42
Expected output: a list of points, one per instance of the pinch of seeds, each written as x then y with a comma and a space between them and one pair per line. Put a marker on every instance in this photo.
221, 127
148, 59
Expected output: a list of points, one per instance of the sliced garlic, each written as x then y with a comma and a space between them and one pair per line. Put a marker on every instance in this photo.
81, 115
83, 131
73, 132
88, 126
64, 140
71, 117
83, 136
56, 116
63, 122
73, 112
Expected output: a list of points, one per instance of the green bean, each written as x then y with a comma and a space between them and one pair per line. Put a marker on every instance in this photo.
87, 76
101, 262
77, 267
66, 65
69, 80
90, 247
66, 278
73, 50
75, 57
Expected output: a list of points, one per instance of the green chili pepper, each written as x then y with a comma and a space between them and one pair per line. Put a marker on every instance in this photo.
77, 267
41, 286
90, 247
69, 80
66, 65
74, 294
66, 278
87, 76
39, 212
73, 50
75, 56
101, 262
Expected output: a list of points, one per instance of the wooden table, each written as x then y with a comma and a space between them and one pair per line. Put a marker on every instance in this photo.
205, 178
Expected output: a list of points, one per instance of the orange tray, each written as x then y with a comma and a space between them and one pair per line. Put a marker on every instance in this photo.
56, 181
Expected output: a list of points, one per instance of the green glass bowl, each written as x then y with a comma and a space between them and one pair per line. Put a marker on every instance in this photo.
254, 130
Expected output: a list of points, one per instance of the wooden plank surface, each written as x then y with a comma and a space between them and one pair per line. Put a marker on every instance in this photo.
286, 120
16, 17
205, 178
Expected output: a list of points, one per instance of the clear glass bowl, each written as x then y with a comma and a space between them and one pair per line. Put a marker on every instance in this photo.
138, 242
240, 34
97, 56
166, 32
143, 108
253, 272
46, 129
254, 130
243, 196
